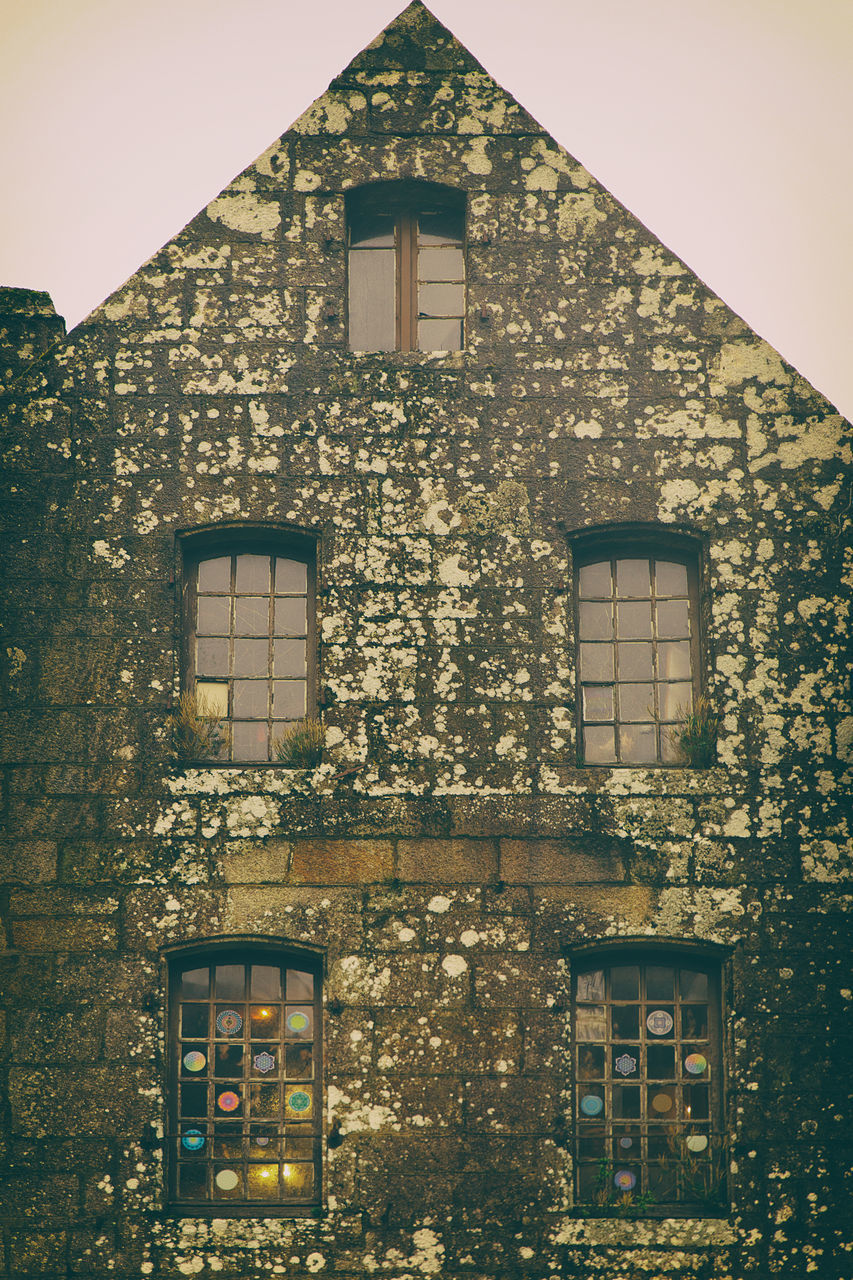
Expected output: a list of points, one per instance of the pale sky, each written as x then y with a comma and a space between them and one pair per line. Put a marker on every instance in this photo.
724, 125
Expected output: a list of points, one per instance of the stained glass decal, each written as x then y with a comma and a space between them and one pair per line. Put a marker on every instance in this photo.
228, 1101
625, 1064
659, 1022
227, 1179
193, 1140
264, 1061
696, 1142
591, 1105
625, 1180
229, 1022
194, 1060
299, 1100
298, 1022
695, 1063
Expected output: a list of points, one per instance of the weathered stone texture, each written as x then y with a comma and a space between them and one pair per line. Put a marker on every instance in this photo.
448, 854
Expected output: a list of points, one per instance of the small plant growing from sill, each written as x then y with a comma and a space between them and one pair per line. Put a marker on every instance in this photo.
610, 1200
695, 737
196, 733
301, 745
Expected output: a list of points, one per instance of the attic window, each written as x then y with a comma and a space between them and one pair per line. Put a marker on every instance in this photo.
406, 268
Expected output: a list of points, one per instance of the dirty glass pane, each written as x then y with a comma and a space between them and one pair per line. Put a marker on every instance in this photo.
674, 661
372, 230
694, 1021
228, 1061
441, 299
674, 701
591, 985
290, 575
251, 657
194, 984
194, 1020
598, 702
372, 300
215, 575
251, 740
211, 657
597, 661
440, 228
634, 621
638, 744
626, 1102
228, 1141
214, 615
596, 620
441, 264
599, 746
289, 699
192, 1181
626, 1022
625, 982
229, 981
439, 335
264, 1020
594, 579
635, 660
672, 619
253, 574
298, 1180
660, 1062
590, 1062
636, 701
694, 985
300, 985
632, 578
291, 614
212, 699
660, 982
252, 616
263, 1182
266, 982
193, 1099
299, 1062
251, 698
670, 579
590, 1022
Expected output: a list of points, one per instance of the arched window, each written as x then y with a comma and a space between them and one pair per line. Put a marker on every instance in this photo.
249, 611
244, 1079
406, 267
637, 616
648, 1082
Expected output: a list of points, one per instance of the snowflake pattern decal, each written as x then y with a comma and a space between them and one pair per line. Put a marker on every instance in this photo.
626, 1065
264, 1061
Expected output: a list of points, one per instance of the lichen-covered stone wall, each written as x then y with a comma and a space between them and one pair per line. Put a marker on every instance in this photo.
448, 853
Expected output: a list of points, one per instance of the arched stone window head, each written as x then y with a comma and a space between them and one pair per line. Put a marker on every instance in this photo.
406, 272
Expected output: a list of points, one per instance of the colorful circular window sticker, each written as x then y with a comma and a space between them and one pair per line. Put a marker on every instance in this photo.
261, 1140
696, 1142
229, 1022
591, 1105
625, 1180
194, 1061
659, 1022
625, 1065
297, 1022
228, 1101
299, 1100
193, 1140
227, 1179
626, 1142
695, 1063
661, 1103
264, 1061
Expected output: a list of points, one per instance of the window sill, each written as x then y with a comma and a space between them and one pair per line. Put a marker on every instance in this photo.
682, 1233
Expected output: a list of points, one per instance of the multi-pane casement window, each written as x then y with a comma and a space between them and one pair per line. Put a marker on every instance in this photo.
648, 1083
250, 639
638, 658
406, 268
245, 1077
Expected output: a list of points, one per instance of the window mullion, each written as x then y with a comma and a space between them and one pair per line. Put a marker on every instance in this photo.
407, 284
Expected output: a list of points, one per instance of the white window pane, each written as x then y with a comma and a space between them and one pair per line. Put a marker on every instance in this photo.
635, 661
441, 264
596, 620
290, 575
634, 621
675, 700
250, 740
632, 578
214, 615
289, 699
251, 657
289, 658
637, 744
670, 579
252, 616
674, 661
597, 703
211, 658
672, 621
636, 701
594, 579
215, 575
291, 616
441, 299
596, 661
439, 335
598, 744
253, 574
372, 300
251, 699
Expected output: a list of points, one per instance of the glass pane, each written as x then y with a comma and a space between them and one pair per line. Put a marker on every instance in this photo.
229, 981
289, 658
228, 1141
289, 699
252, 616
263, 1181
372, 229
439, 335
251, 698
670, 579
626, 1102
215, 575
441, 299
264, 1020
599, 745
228, 1061
636, 701
591, 985
212, 699
192, 1181
299, 1023
696, 1102
290, 575
291, 616
694, 1021
251, 657
266, 982
635, 661
265, 1099
590, 1022
227, 1184
597, 702
372, 300
625, 982
626, 1022
660, 982
194, 984
674, 701
597, 661
591, 1104
250, 740
596, 621
194, 1018
660, 1103
300, 985
670, 749
211, 658
299, 1062
214, 615
590, 1062
253, 574
298, 1103
299, 1148
634, 621
193, 1099
632, 578
440, 228
694, 985
672, 619
674, 661
625, 1062
591, 1143
298, 1180
638, 744
264, 1140
660, 1062
441, 264
594, 579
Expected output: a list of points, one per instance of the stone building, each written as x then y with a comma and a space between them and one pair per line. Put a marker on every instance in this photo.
426, 734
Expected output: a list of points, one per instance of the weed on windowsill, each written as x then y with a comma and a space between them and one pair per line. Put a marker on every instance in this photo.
196, 733
302, 745
695, 737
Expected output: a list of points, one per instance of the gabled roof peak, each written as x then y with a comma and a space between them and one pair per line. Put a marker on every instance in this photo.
414, 41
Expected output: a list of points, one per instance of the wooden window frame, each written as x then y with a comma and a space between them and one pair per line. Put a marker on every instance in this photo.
247, 952
198, 547
638, 542
608, 1200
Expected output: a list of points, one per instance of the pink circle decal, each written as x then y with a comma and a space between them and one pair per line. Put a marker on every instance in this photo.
228, 1101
